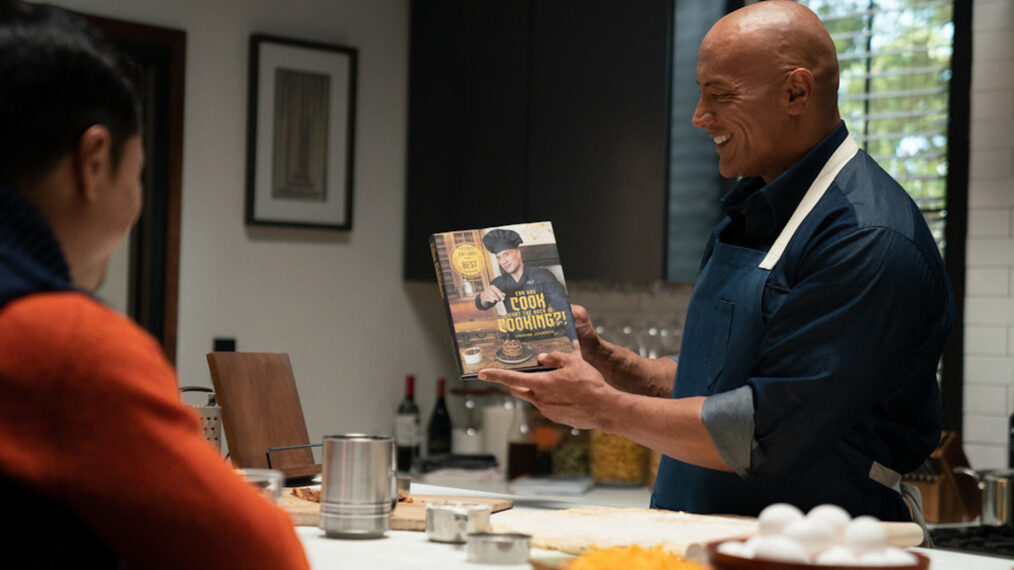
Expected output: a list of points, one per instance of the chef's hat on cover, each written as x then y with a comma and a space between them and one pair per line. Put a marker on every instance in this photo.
499, 240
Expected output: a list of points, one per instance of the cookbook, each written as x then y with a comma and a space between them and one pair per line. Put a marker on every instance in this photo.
505, 295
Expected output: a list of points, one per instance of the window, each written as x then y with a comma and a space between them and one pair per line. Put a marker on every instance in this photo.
895, 63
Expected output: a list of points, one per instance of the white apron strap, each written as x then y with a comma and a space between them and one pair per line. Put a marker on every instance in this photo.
909, 493
844, 153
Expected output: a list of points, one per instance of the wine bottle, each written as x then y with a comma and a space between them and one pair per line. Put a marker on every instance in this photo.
439, 429
522, 452
406, 427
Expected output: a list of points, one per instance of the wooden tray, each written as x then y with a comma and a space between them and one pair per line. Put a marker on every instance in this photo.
406, 516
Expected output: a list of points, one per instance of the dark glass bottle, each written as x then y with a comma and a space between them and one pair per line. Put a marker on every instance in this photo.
406, 427
522, 453
438, 431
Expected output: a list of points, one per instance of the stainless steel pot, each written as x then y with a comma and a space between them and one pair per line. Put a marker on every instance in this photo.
997, 488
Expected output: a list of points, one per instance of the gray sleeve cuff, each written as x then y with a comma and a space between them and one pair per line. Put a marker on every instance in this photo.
728, 418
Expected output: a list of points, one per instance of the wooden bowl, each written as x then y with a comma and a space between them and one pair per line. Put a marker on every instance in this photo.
722, 561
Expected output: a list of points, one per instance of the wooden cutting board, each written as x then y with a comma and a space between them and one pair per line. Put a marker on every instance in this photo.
406, 516
575, 530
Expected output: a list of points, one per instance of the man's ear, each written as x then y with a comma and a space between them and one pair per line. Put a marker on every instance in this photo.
93, 161
799, 86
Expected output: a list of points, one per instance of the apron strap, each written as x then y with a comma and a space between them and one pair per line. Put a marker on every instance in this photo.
909, 493
844, 153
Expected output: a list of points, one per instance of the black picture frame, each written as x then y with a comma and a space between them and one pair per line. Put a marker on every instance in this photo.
300, 133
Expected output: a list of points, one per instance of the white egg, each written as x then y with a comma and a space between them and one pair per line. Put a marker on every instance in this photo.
865, 534
837, 555
873, 558
776, 547
813, 535
734, 548
750, 546
774, 518
834, 516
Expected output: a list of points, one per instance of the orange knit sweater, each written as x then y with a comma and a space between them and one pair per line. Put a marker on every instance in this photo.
92, 420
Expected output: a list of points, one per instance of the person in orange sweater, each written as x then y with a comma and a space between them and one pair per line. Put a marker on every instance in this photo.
101, 465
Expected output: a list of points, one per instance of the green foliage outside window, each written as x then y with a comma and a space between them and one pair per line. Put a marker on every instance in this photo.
895, 62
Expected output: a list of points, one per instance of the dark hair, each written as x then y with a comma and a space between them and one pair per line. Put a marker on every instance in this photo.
58, 77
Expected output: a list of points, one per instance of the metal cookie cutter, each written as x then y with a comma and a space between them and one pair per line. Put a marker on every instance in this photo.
498, 547
451, 522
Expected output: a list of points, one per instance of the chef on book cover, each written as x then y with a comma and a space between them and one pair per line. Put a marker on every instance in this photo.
534, 300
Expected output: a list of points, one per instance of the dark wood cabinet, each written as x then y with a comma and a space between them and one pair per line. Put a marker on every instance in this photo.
542, 110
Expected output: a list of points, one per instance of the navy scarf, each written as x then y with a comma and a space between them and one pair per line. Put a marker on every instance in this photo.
31, 260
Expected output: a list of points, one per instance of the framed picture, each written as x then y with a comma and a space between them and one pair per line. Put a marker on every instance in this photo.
300, 133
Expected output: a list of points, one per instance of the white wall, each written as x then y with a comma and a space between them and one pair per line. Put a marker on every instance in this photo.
334, 301
989, 300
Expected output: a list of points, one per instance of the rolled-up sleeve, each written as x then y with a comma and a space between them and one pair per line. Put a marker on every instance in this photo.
728, 418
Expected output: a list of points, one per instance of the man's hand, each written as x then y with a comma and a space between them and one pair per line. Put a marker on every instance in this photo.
586, 335
491, 295
622, 368
574, 394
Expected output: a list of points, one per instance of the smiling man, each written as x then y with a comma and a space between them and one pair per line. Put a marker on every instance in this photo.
807, 372
100, 461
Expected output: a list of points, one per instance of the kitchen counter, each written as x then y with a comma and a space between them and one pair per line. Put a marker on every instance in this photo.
406, 549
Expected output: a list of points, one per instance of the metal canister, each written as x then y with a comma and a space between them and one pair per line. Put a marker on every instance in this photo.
498, 547
452, 522
358, 485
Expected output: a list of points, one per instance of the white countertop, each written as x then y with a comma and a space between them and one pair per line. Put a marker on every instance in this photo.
599, 495
410, 550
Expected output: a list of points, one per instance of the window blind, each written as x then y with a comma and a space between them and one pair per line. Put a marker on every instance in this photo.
895, 63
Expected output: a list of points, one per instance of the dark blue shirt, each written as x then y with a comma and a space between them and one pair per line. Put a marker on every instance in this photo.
855, 317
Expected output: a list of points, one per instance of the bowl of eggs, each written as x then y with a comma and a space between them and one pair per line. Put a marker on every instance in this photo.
827, 537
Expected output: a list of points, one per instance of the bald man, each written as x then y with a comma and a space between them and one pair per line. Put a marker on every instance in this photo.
807, 371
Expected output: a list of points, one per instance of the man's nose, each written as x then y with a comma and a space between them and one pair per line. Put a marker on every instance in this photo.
702, 116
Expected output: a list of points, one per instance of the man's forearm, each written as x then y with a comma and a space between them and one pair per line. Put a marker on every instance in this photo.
673, 427
628, 371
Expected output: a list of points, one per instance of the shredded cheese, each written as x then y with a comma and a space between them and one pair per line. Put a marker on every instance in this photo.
631, 558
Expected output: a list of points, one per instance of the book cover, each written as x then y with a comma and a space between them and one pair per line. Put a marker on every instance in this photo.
505, 295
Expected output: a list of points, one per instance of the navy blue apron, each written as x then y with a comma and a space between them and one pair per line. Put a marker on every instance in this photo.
720, 344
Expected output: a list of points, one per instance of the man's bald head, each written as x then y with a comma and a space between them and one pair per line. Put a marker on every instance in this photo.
769, 87
782, 35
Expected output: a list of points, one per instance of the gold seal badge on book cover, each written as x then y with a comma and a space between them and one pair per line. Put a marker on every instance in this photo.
468, 260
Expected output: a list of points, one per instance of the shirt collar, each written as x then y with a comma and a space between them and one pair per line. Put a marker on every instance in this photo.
524, 275
765, 209
27, 242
